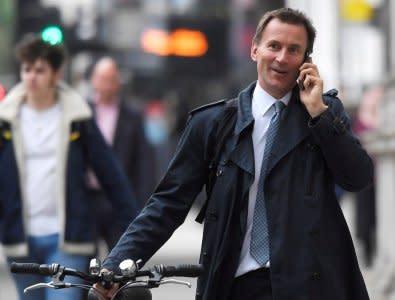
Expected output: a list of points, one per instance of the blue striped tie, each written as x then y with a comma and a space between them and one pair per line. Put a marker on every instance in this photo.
259, 247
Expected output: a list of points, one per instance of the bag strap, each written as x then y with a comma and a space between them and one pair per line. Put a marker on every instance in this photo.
224, 129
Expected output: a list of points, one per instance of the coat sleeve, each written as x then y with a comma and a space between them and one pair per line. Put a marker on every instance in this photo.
111, 176
169, 205
349, 163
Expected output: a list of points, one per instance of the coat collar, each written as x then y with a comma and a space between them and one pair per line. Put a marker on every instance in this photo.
241, 147
293, 129
244, 111
74, 107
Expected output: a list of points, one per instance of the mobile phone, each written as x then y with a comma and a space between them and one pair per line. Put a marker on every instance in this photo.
307, 58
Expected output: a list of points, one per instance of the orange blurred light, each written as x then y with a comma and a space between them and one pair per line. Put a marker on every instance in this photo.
156, 41
181, 42
190, 43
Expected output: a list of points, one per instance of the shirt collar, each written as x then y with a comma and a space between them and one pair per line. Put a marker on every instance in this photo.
262, 101
113, 103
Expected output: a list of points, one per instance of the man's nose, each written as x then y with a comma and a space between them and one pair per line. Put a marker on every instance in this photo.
282, 56
30, 75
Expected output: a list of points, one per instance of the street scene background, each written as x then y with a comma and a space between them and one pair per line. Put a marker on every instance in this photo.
354, 51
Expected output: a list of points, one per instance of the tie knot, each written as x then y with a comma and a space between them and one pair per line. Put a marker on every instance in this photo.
278, 106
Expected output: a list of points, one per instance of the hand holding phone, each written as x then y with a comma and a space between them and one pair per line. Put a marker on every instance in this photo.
311, 88
301, 80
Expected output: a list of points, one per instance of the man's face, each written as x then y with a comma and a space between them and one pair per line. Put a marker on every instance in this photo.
38, 77
105, 81
279, 55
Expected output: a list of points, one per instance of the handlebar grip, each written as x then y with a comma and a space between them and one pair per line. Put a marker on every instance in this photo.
181, 270
29, 268
32, 268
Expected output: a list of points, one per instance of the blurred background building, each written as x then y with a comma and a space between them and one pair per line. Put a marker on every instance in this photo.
177, 54
200, 48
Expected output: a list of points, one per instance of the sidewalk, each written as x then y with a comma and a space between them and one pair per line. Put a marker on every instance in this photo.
7, 288
348, 207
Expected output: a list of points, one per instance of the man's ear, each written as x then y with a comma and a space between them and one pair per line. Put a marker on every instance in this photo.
254, 49
58, 75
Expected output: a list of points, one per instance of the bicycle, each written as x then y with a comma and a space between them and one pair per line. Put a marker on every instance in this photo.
135, 283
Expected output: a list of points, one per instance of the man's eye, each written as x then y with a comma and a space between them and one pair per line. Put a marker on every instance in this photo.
274, 46
295, 50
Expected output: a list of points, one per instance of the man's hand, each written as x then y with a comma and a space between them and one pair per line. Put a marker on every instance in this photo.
311, 89
106, 293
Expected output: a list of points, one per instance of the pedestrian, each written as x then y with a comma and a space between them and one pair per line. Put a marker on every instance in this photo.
48, 137
123, 129
273, 226
366, 121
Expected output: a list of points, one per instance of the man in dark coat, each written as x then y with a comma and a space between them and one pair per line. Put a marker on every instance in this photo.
311, 254
122, 127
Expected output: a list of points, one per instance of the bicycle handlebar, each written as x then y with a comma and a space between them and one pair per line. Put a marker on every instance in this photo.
164, 271
49, 270
180, 270
31, 268
131, 280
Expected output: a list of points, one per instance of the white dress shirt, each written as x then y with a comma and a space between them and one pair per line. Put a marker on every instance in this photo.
262, 111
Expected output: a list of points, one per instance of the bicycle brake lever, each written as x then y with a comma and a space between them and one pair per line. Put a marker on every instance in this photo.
56, 285
176, 281
38, 286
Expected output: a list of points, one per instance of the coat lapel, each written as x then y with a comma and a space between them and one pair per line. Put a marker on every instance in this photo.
242, 153
240, 144
291, 132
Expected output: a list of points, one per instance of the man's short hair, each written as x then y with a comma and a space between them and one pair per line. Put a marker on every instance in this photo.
32, 47
289, 16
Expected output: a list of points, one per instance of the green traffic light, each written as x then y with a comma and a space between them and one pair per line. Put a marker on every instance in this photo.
52, 35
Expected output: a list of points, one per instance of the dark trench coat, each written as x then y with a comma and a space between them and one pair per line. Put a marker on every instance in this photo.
312, 253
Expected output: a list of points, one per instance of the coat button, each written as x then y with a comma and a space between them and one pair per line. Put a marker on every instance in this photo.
205, 254
276, 276
314, 233
212, 216
219, 172
311, 146
316, 275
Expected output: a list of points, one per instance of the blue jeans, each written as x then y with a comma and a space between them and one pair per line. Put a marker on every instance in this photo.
44, 250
